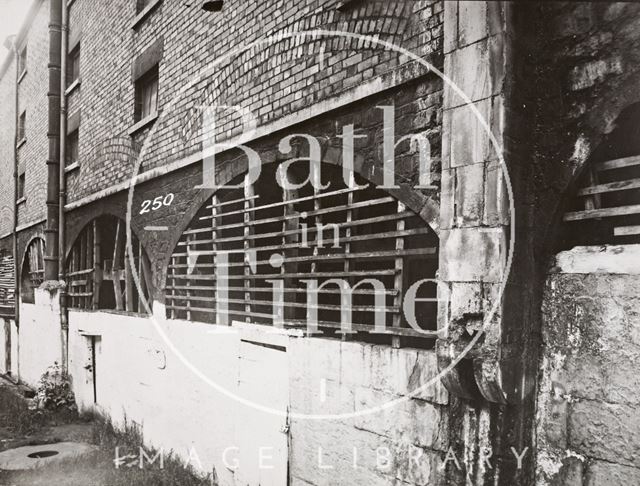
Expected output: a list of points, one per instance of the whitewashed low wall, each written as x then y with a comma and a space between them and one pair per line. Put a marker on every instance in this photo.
39, 336
392, 427
8, 325
140, 379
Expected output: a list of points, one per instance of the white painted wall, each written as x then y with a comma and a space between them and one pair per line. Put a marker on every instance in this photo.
140, 379
39, 336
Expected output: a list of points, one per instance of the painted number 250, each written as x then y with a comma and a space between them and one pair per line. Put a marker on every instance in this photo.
156, 204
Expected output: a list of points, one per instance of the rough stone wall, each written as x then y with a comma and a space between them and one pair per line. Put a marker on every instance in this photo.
588, 432
272, 83
32, 96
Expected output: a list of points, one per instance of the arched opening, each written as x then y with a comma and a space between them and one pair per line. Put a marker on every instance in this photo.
99, 274
7, 284
32, 272
265, 255
605, 208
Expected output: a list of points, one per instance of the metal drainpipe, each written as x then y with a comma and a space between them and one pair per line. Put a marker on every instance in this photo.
53, 134
16, 275
62, 196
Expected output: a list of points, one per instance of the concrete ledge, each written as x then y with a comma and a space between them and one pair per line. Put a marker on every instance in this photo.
623, 259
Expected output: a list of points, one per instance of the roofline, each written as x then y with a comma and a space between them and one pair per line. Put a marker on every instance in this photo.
22, 33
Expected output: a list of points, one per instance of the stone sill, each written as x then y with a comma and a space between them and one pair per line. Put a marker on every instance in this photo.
22, 200
22, 75
613, 259
144, 13
72, 167
72, 87
143, 123
21, 142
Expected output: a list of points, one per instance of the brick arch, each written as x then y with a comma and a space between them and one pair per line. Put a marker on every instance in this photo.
387, 21
426, 207
104, 159
376, 236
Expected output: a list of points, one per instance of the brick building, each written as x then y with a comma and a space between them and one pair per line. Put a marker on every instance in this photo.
518, 373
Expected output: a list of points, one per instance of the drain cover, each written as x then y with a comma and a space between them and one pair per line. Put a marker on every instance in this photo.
31, 457
39, 454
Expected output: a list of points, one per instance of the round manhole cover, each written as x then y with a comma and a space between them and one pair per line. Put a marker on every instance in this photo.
41, 454
31, 457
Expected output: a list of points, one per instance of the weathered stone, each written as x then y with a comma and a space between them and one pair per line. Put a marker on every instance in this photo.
605, 431
594, 72
472, 22
469, 255
469, 195
600, 473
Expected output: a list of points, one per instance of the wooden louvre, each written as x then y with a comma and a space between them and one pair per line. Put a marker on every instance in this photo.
608, 201
99, 274
270, 237
35, 262
7, 286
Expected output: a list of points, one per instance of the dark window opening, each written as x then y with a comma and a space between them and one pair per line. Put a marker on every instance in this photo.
22, 126
147, 95
22, 61
141, 5
72, 148
21, 183
366, 234
73, 65
32, 270
99, 272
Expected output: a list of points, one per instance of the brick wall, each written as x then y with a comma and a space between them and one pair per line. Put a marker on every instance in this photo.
32, 96
288, 76
7, 142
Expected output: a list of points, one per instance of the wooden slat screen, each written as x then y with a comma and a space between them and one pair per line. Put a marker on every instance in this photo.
99, 274
366, 234
607, 204
7, 285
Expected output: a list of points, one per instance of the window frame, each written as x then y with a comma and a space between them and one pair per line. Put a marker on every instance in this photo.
73, 139
73, 66
22, 180
22, 62
22, 127
147, 89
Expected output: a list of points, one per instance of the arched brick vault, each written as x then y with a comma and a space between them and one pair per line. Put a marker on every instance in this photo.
82, 219
426, 207
385, 21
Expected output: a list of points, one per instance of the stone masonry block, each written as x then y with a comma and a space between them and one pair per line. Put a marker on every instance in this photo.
605, 431
450, 26
600, 473
476, 70
472, 22
471, 255
469, 195
409, 421
470, 142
